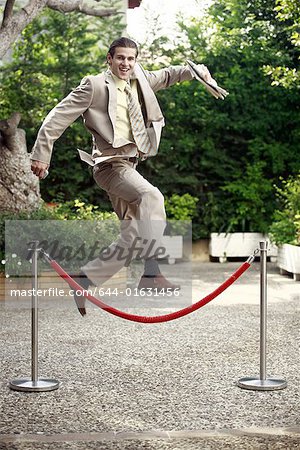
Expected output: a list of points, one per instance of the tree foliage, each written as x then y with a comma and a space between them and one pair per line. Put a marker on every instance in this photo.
288, 13
230, 153
285, 228
55, 51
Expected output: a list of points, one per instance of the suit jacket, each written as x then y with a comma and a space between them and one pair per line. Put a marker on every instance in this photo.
96, 100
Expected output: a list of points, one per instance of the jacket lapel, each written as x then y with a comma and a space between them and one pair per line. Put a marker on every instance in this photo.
153, 110
112, 98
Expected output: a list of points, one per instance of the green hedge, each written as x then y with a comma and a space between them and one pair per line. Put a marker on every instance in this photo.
61, 228
285, 228
70, 231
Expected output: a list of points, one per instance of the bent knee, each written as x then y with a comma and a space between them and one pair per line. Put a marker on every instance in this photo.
153, 197
153, 201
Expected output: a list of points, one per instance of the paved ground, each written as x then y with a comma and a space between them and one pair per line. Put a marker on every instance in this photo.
126, 385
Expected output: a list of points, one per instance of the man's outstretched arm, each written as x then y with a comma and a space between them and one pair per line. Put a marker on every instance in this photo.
163, 78
56, 122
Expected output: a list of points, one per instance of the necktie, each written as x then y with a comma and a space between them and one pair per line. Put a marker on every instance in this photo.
138, 128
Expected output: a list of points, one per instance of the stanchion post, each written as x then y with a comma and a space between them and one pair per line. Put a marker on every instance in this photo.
262, 383
263, 309
35, 384
34, 315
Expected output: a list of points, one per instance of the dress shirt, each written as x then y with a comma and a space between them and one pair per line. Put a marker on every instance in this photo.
123, 127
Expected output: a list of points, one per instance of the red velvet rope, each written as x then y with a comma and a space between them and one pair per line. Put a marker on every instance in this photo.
152, 319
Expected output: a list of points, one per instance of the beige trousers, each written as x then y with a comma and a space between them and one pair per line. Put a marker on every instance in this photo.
140, 208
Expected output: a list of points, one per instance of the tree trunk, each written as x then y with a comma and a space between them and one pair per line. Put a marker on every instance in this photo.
19, 188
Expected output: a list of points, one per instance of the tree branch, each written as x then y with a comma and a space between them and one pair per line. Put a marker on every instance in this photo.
8, 9
9, 126
68, 6
10, 134
15, 23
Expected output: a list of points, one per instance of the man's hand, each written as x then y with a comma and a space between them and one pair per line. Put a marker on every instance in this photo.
205, 73
201, 73
39, 168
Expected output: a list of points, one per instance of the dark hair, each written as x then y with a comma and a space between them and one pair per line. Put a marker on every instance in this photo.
122, 42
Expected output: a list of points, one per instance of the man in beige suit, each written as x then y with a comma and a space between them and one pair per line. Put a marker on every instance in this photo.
111, 104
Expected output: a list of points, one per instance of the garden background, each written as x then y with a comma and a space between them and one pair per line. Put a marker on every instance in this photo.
220, 162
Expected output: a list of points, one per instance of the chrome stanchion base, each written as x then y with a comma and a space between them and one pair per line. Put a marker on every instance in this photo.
27, 385
256, 384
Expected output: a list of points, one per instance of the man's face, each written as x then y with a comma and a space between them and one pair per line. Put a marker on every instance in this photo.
122, 63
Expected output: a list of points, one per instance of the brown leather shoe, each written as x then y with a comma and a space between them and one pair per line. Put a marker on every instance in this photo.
158, 282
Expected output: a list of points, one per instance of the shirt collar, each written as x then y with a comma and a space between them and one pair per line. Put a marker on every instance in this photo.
119, 83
